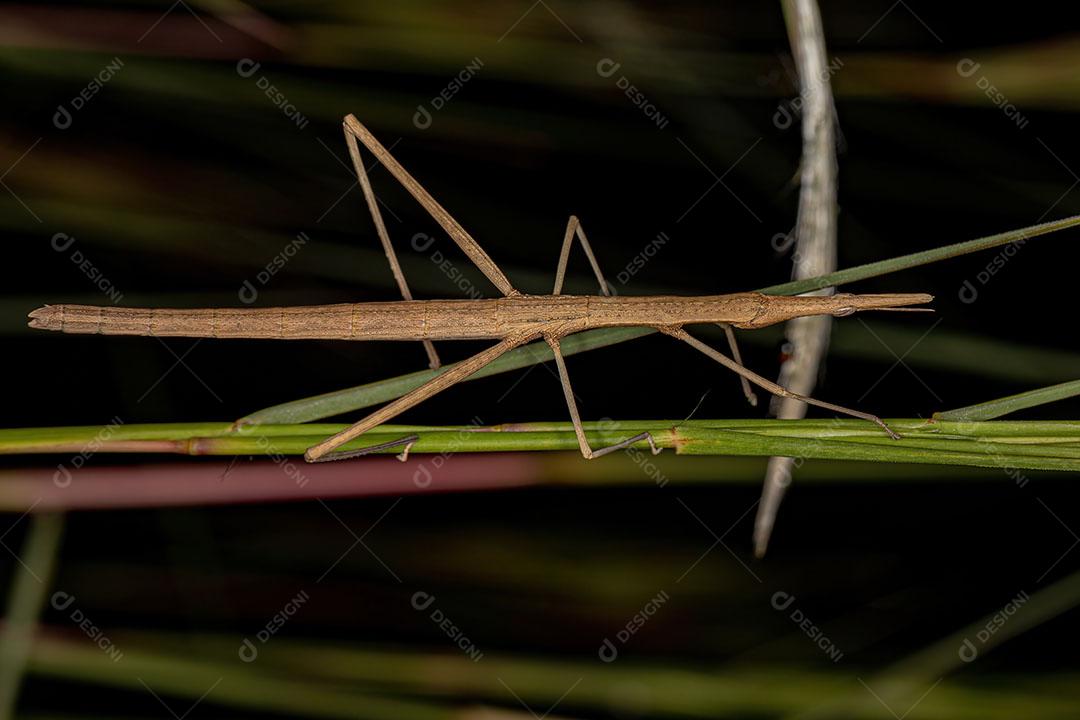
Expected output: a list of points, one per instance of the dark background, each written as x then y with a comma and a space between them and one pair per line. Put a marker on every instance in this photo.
181, 178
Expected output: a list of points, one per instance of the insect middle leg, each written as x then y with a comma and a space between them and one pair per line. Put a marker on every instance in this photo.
768, 385
575, 417
573, 227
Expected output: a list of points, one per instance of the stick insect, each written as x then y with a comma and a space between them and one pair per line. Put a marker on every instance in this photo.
513, 319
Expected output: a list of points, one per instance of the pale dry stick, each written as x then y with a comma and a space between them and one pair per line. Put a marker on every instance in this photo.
815, 250
513, 320
384, 236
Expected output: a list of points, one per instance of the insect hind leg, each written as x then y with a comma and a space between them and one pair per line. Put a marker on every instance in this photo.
449, 376
384, 236
407, 441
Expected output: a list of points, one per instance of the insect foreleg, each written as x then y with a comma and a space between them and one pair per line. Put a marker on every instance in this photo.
768, 385
730, 334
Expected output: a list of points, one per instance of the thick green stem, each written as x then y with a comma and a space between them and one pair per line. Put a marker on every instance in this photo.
1011, 445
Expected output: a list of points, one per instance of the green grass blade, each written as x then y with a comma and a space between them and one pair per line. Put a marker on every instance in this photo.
349, 399
914, 675
26, 603
295, 671
222, 682
355, 398
1010, 404
905, 262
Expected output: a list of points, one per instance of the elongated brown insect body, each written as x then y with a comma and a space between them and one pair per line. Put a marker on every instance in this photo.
513, 319
456, 319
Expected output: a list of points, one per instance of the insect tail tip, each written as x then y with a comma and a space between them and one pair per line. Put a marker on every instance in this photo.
42, 317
